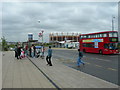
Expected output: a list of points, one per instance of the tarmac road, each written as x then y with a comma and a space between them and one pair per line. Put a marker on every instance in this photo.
101, 66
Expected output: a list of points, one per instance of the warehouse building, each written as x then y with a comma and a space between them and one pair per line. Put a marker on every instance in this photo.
63, 39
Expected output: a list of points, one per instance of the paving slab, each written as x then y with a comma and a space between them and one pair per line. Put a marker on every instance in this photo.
24, 74
66, 77
21, 73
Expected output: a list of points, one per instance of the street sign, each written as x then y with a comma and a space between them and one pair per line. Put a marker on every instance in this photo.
40, 34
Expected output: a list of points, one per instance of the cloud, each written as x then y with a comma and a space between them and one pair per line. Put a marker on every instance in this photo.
19, 19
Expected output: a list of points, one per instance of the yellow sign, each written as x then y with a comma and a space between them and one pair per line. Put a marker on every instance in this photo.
88, 40
93, 40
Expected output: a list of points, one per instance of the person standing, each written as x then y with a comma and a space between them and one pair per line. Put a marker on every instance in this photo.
16, 52
79, 61
26, 50
34, 48
32, 51
19, 52
48, 58
22, 55
42, 52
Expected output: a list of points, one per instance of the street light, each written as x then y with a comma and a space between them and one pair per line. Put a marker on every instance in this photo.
41, 34
38, 21
113, 23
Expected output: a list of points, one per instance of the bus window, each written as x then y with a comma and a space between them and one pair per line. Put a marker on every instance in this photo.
113, 34
113, 46
104, 35
110, 34
101, 35
84, 45
96, 36
92, 36
80, 37
84, 36
106, 46
89, 36
88, 45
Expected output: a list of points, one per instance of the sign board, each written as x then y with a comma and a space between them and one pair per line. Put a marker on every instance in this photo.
40, 35
93, 40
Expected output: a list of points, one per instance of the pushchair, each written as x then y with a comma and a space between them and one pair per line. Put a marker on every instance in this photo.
37, 54
38, 51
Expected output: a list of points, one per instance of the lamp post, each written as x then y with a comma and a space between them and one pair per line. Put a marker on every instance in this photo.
42, 36
113, 23
41, 33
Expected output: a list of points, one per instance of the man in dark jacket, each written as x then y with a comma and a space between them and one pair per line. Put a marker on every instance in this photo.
48, 58
19, 52
16, 51
34, 50
79, 61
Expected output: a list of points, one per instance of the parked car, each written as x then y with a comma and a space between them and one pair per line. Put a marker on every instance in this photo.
12, 49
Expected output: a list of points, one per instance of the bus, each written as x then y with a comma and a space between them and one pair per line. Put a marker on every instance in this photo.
101, 42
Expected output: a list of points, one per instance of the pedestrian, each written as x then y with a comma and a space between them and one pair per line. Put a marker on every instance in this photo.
26, 50
37, 53
48, 58
19, 52
22, 55
42, 52
32, 51
16, 51
79, 61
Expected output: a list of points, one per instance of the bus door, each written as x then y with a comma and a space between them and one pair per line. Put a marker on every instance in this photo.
98, 45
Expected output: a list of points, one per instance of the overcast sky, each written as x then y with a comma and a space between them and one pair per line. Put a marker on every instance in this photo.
19, 19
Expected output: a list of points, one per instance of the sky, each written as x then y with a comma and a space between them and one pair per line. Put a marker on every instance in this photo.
21, 18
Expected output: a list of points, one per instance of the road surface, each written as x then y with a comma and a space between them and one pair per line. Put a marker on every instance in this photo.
101, 66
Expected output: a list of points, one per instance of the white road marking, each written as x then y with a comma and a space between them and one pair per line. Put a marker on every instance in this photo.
112, 69
103, 59
87, 63
113, 56
98, 66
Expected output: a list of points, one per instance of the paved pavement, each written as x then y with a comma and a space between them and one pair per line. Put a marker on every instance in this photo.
101, 66
24, 74
21, 74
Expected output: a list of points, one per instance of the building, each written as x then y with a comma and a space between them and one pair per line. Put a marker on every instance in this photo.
57, 37
30, 36
64, 39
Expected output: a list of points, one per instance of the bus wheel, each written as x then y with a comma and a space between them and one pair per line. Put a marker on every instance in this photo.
100, 52
84, 51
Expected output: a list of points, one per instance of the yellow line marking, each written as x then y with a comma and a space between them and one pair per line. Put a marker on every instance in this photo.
98, 66
87, 63
112, 69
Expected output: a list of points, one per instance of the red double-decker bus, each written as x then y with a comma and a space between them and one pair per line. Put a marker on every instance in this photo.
100, 42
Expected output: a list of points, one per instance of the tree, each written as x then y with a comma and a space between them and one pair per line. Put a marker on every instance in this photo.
4, 44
